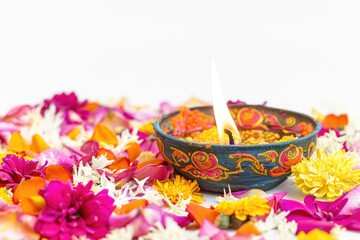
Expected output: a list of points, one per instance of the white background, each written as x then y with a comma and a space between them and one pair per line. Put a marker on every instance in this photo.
293, 54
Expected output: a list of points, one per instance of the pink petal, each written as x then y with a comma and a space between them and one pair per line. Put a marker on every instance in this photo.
353, 203
240, 194
351, 222
209, 230
154, 172
308, 225
293, 205
7, 127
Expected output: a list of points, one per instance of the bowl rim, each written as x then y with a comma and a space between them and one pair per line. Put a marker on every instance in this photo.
158, 129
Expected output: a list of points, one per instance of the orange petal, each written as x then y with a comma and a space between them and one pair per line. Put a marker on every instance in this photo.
27, 195
137, 203
248, 228
199, 213
120, 163
32, 205
151, 161
74, 133
92, 106
333, 121
133, 149
17, 143
57, 172
103, 134
27, 188
38, 144
109, 154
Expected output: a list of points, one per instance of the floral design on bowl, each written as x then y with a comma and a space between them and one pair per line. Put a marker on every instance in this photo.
262, 166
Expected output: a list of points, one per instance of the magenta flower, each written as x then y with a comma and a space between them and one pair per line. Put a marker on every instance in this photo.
74, 212
74, 111
345, 211
14, 169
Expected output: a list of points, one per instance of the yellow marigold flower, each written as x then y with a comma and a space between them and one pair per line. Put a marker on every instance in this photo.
180, 188
327, 175
286, 138
242, 208
5, 195
315, 234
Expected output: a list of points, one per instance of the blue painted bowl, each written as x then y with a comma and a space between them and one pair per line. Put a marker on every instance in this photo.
261, 166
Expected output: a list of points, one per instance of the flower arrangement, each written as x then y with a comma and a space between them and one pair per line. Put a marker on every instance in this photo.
73, 169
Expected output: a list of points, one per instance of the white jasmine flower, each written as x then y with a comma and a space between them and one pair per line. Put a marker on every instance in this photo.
330, 143
125, 233
124, 138
227, 196
100, 162
136, 190
106, 183
352, 135
48, 126
84, 174
172, 231
179, 208
278, 225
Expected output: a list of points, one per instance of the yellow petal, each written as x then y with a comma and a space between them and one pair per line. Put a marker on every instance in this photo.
38, 144
17, 143
74, 133
32, 205
103, 134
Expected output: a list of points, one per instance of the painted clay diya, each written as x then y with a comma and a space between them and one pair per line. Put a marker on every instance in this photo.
262, 166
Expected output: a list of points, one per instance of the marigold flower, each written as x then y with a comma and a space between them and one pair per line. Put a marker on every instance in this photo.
315, 234
180, 188
327, 175
242, 208
74, 212
5, 195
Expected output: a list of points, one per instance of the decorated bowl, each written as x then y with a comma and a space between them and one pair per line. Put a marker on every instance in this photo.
261, 166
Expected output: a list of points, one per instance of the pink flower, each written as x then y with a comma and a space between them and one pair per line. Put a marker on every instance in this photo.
14, 169
75, 111
144, 218
56, 157
345, 211
74, 212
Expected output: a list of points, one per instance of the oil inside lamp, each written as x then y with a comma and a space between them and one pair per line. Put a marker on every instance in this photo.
224, 122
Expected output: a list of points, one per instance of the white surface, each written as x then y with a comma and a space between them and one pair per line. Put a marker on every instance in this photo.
294, 54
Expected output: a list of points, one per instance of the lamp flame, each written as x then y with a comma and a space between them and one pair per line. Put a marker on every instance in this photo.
223, 118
